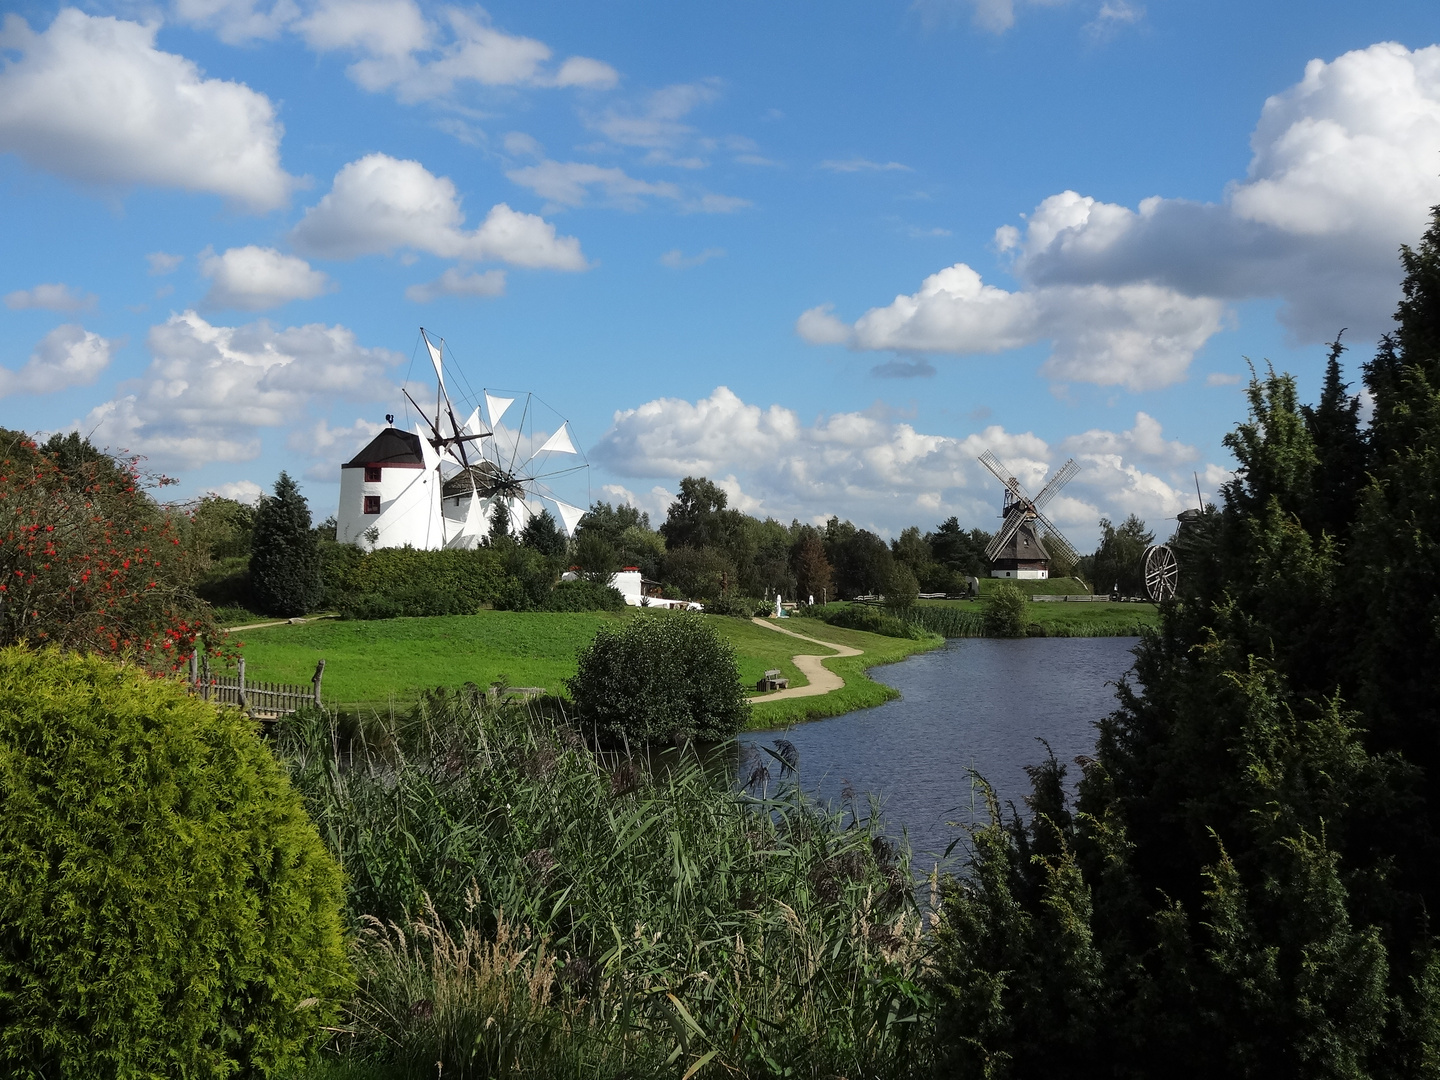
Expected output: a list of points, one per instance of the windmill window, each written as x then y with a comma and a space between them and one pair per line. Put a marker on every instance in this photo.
372, 503
372, 475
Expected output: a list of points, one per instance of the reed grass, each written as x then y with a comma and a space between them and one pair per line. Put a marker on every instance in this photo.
526, 904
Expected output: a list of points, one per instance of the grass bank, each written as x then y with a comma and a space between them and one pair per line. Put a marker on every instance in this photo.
374, 664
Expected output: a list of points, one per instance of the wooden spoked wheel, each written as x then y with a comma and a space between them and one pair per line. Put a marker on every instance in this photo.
1161, 572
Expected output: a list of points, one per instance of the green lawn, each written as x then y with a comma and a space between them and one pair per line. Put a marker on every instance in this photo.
370, 664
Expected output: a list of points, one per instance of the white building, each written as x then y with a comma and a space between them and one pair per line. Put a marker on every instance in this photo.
631, 586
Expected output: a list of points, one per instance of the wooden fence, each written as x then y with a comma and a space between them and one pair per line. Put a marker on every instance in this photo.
262, 700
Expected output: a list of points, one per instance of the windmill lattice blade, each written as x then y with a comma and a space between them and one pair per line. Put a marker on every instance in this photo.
496, 407
1007, 530
1063, 476
1055, 538
558, 443
996, 466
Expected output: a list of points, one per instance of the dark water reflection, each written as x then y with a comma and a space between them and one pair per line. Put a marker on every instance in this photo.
977, 703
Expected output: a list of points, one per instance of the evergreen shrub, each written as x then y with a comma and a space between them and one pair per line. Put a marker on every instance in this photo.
166, 908
1005, 611
660, 677
284, 556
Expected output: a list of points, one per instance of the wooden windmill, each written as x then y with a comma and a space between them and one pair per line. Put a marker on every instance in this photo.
1018, 550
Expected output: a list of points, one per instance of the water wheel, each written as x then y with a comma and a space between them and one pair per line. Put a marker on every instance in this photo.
1161, 572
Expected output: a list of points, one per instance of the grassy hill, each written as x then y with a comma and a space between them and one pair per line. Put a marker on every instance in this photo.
370, 664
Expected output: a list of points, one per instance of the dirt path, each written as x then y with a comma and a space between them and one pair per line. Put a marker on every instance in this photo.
822, 679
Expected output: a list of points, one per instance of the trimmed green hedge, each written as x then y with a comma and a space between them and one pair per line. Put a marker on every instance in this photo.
404, 581
166, 908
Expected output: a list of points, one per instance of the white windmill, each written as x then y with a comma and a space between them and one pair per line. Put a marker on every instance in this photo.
1018, 550
440, 486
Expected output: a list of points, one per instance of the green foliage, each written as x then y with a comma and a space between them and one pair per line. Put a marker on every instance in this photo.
89, 561
810, 567
1254, 838
391, 582
223, 528
698, 518
542, 534
660, 678
860, 560
1005, 611
703, 574
285, 576
1118, 566
902, 589
588, 915
596, 557
870, 619
584, 596
742, 607
166, 909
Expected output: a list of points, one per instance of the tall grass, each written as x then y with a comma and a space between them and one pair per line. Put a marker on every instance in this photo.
529, 906
948, 622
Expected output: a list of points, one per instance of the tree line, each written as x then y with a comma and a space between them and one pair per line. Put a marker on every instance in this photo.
1244, 883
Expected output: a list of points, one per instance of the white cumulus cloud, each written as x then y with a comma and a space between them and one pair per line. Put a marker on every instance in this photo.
93, 99
211, 390
1343, 171
253, 278
68, 356
53, 297
381, 204
242, 491
882, 473
1140, 336
400, 49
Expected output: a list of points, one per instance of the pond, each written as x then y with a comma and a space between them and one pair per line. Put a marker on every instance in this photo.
977, 703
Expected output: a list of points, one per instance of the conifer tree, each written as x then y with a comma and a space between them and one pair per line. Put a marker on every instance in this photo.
284, 555
1340, 451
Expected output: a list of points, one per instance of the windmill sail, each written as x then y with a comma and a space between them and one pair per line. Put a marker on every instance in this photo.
559, 442
434, 359
570, 515
496, 407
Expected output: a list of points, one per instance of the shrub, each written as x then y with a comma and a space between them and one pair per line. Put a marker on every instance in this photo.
404, 581
1005, 611
743, 607
284, 558
584, 595
88, 560
660, 677
166, 908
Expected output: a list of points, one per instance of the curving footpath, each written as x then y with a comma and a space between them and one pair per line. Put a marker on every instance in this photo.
822, 679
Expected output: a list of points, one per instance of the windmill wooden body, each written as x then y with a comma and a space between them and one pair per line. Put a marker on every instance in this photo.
1020, 549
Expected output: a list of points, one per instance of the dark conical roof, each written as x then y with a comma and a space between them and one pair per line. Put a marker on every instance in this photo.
1024, 545
391, 447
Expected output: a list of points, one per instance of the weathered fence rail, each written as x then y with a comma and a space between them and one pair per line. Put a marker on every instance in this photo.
262, 700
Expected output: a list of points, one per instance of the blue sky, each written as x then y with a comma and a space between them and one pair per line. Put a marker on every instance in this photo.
823, 253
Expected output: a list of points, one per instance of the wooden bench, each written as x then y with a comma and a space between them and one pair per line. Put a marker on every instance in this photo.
772, 680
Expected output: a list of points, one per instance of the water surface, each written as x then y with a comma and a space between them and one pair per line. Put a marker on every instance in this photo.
976, 703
